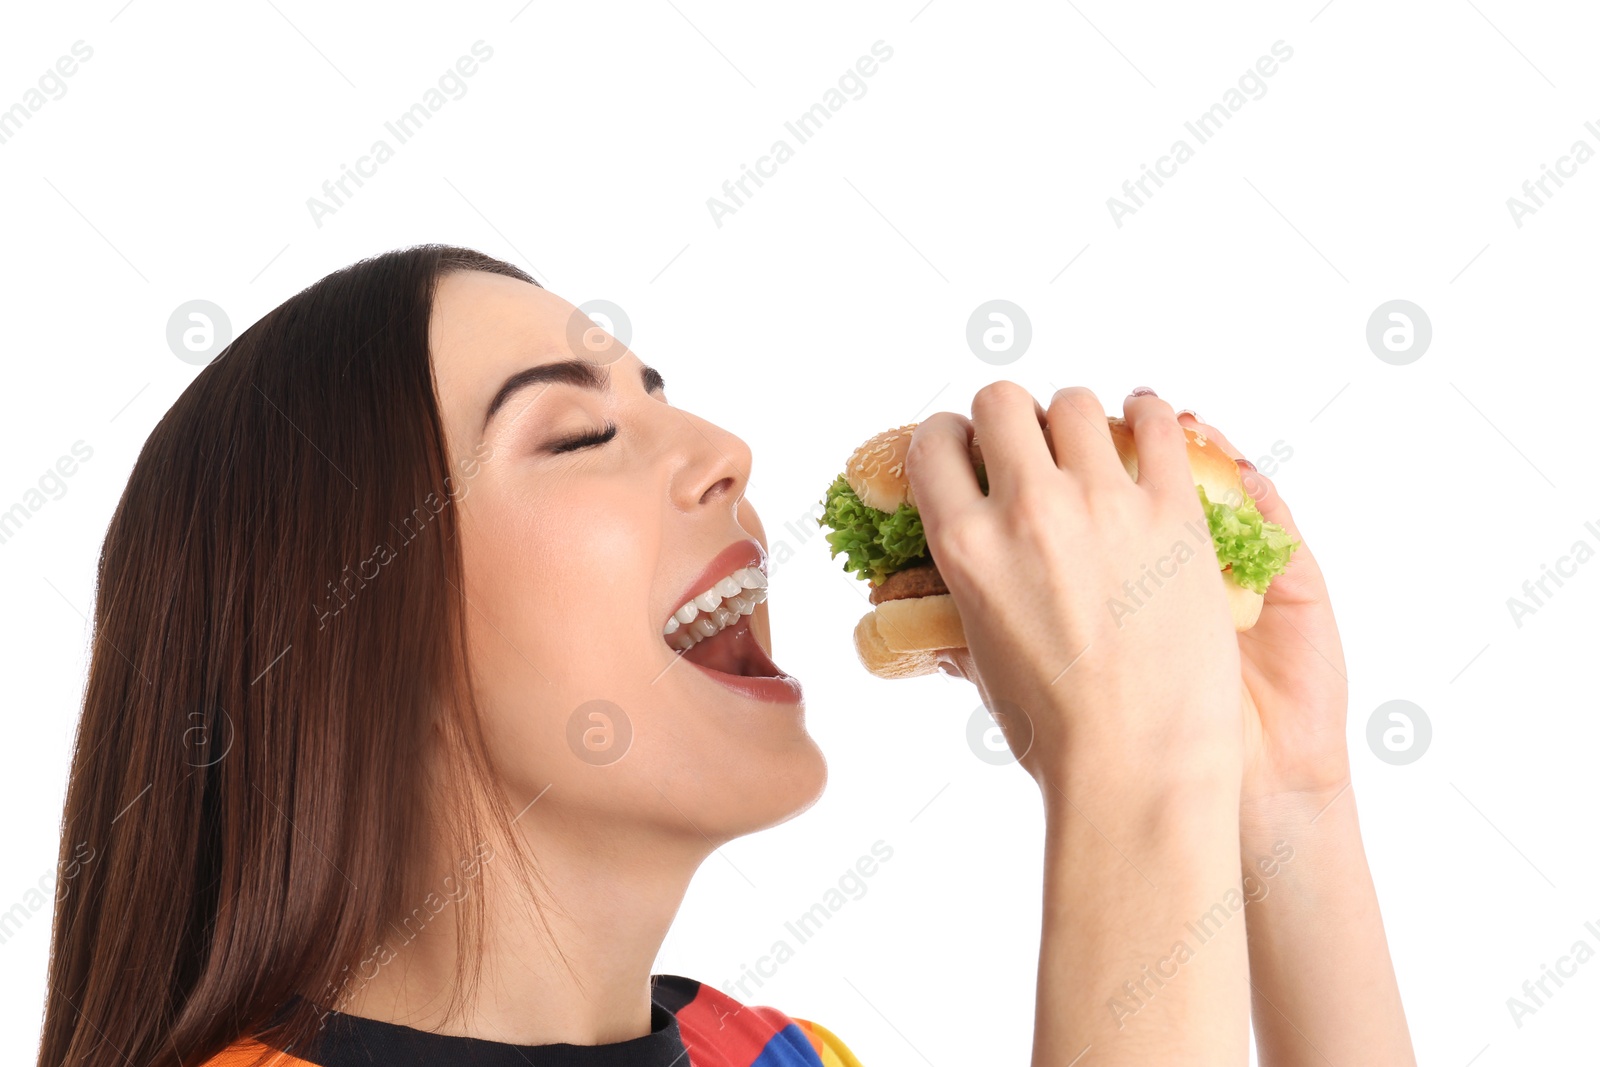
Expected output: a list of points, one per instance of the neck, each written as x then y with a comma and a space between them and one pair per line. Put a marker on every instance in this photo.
609, 901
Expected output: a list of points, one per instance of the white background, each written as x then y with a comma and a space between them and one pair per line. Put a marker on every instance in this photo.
833, 304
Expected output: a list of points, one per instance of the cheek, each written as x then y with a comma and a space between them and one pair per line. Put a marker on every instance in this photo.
557, 582
561, 580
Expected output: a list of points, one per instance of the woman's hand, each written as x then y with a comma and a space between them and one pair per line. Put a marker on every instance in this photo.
1319, 961
1128, 720
1295, 690
1036, 565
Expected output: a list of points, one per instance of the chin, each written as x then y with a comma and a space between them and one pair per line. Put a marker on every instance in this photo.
771, 791
805, 780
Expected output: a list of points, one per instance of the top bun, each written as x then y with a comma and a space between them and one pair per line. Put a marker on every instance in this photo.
876, 471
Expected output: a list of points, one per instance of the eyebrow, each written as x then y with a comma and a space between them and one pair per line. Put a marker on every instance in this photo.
583, 374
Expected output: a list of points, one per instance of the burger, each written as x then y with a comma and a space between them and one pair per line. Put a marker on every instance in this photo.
876, 527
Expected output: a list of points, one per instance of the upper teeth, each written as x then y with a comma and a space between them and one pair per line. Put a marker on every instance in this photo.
718, 607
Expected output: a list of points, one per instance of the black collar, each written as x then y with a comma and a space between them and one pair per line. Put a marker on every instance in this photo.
356, 1041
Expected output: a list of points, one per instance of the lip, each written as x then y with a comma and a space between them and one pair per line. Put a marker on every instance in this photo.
783, 689
776, 687
745, 553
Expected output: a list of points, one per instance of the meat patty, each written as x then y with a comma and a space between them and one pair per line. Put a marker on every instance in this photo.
922, 579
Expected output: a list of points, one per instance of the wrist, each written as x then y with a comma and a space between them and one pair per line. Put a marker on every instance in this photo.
1184, 748
1270, 815
1166, 802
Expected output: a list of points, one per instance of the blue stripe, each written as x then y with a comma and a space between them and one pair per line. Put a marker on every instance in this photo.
788, 1047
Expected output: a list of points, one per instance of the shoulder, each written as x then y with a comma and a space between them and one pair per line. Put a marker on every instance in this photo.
714, 1023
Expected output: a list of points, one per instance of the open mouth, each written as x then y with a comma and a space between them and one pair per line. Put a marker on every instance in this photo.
733, 650
712, 628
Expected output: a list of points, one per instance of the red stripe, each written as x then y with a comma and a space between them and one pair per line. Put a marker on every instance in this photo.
718, 1031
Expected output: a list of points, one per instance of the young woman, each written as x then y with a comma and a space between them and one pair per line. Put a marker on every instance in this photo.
390, 592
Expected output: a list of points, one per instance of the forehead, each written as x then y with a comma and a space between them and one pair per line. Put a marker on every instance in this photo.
485, 327
482, 322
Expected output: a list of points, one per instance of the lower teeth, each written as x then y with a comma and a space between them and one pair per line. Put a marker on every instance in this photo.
722, 616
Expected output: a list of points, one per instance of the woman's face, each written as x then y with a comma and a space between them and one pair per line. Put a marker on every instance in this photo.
576, 559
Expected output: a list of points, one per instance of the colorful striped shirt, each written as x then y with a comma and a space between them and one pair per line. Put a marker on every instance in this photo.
691, 1025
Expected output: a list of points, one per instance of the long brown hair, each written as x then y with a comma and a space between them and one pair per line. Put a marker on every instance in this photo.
279, 639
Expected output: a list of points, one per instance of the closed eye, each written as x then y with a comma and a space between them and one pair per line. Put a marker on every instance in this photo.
586, 440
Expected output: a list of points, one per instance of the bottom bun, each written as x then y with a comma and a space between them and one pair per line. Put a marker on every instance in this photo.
915, 624
903, 638
879, 659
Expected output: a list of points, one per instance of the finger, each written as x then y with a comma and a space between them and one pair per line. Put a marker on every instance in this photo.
1081, 437
1159, 441
939, 468
1008, 424
957, 663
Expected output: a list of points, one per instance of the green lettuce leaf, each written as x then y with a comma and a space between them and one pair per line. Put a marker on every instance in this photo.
875, 543
1256, 550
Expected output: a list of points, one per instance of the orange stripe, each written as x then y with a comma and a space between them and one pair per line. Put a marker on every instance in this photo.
246, 1053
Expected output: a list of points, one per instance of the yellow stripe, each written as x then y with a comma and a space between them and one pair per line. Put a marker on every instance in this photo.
834, 1052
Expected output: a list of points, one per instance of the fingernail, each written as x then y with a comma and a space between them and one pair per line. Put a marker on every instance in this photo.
1142, 390
1246, 464
1192, 414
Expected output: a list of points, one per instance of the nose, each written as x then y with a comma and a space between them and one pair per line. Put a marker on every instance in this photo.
715, 468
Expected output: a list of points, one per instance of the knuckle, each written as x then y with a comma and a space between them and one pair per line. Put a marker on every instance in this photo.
1037, 519
1122, 508
1153, 403
1081, 400
958, 541
921, 447
917, 449
1164, 432
998, 394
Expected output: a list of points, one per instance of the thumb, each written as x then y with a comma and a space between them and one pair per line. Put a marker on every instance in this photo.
957, 663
